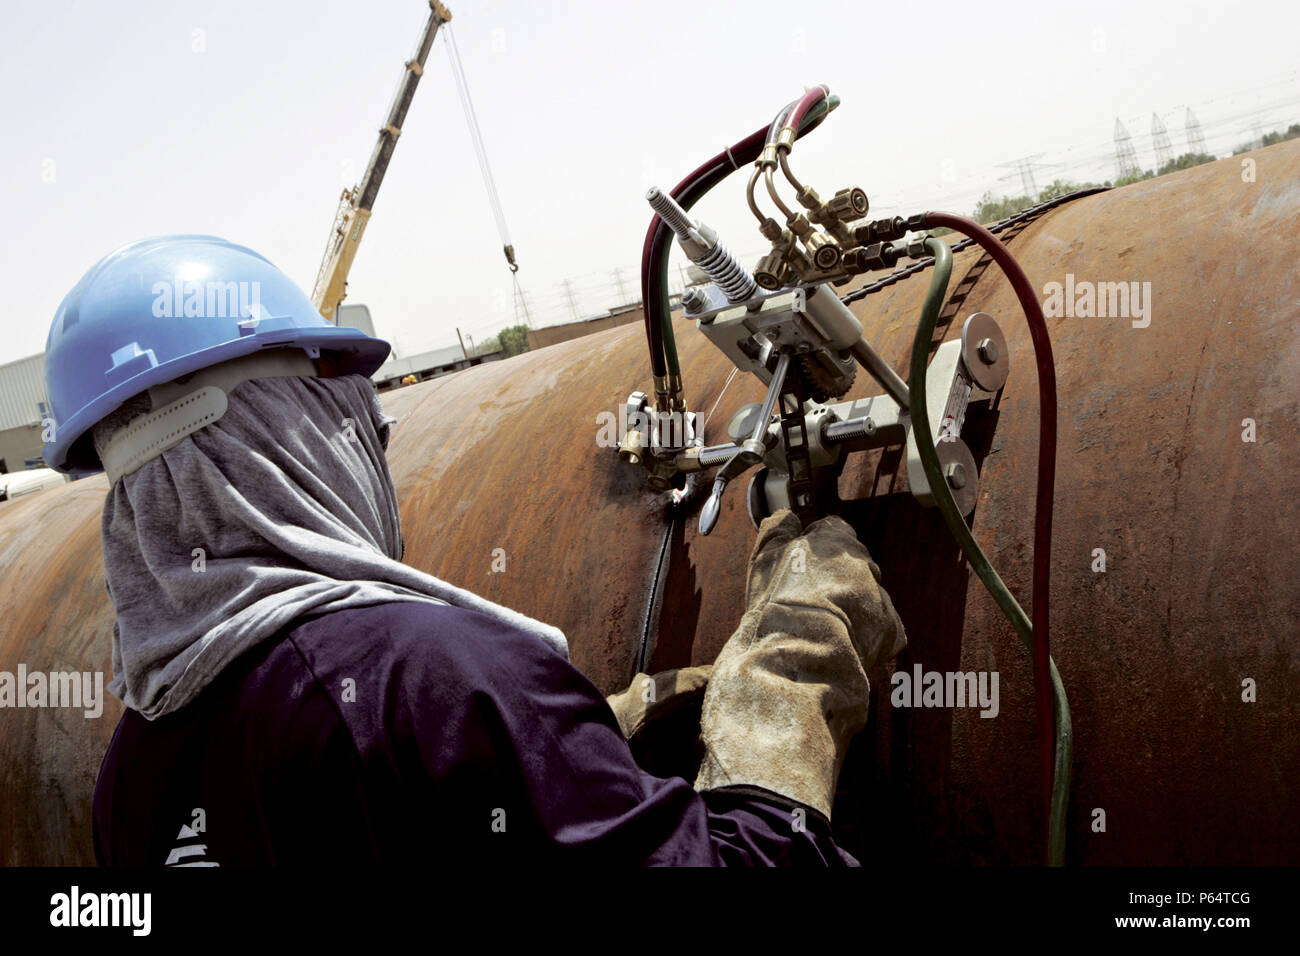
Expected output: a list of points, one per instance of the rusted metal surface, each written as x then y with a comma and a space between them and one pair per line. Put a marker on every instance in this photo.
1199, 592
56, 618
499, 466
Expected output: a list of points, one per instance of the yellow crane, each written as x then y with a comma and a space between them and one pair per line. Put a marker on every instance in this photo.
357, 202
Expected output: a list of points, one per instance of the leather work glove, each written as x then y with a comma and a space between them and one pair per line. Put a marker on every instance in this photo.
660, 719
789, 689
651, 698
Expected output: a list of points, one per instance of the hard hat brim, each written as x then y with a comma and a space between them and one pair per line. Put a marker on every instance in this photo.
72, 450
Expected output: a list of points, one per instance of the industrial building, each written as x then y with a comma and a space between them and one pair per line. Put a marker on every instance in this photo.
22, 409
427, 365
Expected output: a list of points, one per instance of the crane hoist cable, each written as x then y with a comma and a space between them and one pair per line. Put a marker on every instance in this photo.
471, 120
485, 168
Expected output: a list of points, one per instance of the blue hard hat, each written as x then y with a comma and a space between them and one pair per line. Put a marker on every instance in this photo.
161, 308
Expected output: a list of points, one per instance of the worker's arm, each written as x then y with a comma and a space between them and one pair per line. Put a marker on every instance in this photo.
410, 732
415, 734
514, 753
789, 690
787, 694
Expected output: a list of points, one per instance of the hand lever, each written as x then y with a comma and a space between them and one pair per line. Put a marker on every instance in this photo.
751, 450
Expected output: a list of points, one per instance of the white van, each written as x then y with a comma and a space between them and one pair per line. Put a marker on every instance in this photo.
19, 483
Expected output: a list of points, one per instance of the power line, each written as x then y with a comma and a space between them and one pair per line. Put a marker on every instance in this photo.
573, 303
1195, 138
1160, 142
623, 294
1126, 162
1025, 166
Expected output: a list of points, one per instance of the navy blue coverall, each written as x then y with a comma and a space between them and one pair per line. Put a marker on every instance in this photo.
411, 733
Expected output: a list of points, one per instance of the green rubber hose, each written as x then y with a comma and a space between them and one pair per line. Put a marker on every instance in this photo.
970, 547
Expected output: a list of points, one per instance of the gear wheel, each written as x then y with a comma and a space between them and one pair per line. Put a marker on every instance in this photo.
820, 383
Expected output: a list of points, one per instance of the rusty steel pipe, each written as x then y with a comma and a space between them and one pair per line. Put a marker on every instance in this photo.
1195, 527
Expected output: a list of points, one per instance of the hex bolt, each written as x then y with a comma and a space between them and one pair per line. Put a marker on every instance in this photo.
694, 300
987, 351
956, 475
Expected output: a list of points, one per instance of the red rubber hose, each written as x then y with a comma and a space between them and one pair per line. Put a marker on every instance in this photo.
806, 102
1046, 477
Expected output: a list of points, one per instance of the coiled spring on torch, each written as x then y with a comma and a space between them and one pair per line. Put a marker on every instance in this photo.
732, 278
702, 247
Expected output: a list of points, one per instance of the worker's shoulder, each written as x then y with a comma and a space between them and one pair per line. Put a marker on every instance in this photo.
406, 676
413, 641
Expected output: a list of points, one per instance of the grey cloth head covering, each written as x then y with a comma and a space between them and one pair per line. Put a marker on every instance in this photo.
282, 507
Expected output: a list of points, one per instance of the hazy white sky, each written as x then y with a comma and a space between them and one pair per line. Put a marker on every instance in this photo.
245, 119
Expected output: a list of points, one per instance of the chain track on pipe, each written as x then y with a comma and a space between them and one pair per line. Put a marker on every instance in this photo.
1009, 226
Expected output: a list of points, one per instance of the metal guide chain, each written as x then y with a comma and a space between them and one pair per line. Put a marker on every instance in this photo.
802, 489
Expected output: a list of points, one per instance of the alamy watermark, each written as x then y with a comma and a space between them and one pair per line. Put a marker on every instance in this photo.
129, 910
949, 689
1098, 300
671, 429
207, 300
76, 689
